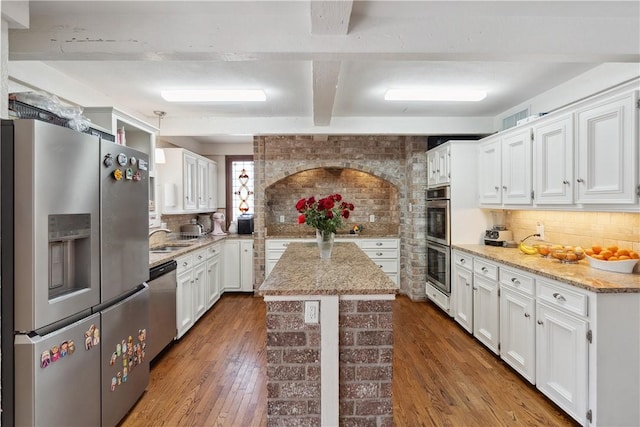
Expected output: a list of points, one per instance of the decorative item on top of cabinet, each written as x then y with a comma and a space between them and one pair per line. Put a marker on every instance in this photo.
188, 181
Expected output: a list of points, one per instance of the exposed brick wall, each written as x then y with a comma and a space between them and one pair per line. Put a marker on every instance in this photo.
365, 338
293, 366
400, 161
366, 355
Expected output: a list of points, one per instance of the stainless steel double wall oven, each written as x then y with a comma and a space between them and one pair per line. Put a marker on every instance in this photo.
438, 238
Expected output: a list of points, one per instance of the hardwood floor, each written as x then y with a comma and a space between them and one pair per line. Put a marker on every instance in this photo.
216, 375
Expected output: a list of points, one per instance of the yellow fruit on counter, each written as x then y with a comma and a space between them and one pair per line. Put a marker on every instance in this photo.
526, 249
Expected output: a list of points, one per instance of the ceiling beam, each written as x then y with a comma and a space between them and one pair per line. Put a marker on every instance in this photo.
330, 17
325, 84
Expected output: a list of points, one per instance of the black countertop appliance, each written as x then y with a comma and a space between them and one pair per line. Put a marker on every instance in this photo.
245, 224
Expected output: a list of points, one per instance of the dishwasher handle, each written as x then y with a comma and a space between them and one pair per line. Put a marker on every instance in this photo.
162, 269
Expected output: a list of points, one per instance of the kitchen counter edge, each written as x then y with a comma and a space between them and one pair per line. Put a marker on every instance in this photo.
580, 275
201, 243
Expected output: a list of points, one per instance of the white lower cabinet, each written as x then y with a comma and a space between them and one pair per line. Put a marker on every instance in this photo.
184, 295
238, 265
517, 332
214, 274
561, 359
580, 348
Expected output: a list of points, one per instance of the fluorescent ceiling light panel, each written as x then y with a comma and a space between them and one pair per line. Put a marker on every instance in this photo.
435, 94
214, 95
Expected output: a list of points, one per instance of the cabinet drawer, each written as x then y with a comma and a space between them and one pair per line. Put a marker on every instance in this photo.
379, 244
184, 263
437, 297
517, 280
463, 259
558, 295
485, 269
214, 250
382, 253
199, 256
388, 266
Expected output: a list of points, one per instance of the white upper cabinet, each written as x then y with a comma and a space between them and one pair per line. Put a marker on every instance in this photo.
553, 142
607, 151
490, 171
212, 182
186, 182
438, 165
516, 168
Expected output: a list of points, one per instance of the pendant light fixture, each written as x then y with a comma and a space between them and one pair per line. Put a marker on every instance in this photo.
159, 153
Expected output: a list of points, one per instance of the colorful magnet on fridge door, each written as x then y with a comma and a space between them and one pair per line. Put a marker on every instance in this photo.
129, 174
137, 176
125, 374
113, 359
133, 160
55, 353
64, 349
45, 359
118, 350
114, 381
108, 160
117, 174
122, 159
72, 347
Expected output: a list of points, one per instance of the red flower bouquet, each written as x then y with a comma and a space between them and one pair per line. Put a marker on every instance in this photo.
326, 214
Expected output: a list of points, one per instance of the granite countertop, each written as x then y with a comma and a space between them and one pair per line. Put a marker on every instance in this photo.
300, 271
303, 235
188, 246
581, 274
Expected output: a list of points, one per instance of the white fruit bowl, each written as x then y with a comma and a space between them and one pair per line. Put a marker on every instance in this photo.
622, 266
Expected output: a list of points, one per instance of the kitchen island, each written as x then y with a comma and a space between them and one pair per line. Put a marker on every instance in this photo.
329, 338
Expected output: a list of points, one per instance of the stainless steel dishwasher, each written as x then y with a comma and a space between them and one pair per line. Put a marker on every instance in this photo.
162, 307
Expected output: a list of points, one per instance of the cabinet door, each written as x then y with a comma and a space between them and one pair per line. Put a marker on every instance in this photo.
190, 181
517, 332
202, 187
561, 359
516, 168
490, 172
184, 302
462, 282
231, 271
443, 172
199, 290
432, 168
554, 161
607, 149
486, 312
213, 281
212, 183
246, 265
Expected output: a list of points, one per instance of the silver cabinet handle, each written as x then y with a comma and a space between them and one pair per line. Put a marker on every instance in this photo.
515, 281
466, 283
580, 180
378, 253
475, 288
378, 243
199, 256
462, 260
285, 244
496, 188
540, 322
184, 264
527, 314
559, 297
504, 187
565, 182
484, 269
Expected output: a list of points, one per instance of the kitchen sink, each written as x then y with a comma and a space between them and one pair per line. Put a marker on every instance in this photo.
168, 248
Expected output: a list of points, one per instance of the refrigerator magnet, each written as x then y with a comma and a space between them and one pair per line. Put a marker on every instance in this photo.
112, 361
122, 159
64, 349
55, 353
117, 174
114, 381
45, 359
108, 160
129, 174
137, 176
72, 347
133, 160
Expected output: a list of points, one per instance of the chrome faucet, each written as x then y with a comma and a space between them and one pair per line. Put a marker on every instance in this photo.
152, 232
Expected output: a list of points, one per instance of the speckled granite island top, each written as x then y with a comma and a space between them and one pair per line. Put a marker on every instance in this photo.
581, 275
300, 271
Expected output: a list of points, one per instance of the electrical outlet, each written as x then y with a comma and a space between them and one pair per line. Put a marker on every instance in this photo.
311, 311
372, 218
540, 231
281, 218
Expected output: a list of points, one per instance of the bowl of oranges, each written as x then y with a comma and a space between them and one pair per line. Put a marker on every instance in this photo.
567, 254
612, 258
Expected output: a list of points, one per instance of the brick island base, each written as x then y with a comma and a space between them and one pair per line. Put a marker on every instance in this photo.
335, 372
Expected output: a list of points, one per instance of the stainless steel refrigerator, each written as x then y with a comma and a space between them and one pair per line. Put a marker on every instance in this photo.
74, 240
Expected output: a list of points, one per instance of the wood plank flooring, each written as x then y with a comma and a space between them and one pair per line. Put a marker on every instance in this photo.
216, 375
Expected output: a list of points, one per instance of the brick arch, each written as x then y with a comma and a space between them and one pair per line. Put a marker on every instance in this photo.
343, 165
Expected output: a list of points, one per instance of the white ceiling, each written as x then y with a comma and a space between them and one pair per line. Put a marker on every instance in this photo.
324, 65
